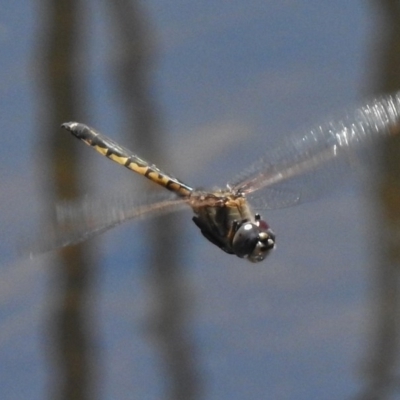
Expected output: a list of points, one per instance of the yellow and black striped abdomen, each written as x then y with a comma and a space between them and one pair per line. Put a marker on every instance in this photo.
112, 150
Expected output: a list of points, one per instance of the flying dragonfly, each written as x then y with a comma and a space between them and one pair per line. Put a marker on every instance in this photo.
225, 216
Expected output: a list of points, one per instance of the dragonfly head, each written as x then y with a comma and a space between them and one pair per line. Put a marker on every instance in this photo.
253, 240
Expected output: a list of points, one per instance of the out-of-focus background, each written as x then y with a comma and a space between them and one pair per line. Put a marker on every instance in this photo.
151, 310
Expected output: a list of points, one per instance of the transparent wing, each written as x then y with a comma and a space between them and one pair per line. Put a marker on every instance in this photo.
81, 220
304, 188
290, 173
278, 196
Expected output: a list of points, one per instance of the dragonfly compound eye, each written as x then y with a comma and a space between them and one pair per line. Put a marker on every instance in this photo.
253, 242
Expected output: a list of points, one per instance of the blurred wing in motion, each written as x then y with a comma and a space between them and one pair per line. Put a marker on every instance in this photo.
81, 220
325, 151
276, 197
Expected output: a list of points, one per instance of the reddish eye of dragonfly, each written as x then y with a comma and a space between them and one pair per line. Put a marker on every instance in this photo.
263, 225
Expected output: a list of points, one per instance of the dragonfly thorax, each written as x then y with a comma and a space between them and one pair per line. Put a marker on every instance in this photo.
227, 221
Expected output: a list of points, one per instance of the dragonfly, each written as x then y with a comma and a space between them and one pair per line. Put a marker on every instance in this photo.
225, 216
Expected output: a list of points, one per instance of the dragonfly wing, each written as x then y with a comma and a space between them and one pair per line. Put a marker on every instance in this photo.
304, 188
81, 220
278, 196
335, 144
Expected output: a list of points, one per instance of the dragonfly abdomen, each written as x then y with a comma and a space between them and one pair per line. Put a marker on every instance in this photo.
121, 155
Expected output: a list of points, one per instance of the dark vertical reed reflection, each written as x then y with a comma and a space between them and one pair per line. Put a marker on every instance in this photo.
70, 338
134, 64
383, 356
